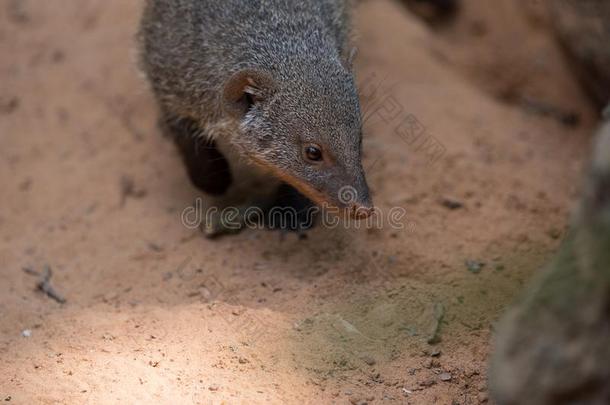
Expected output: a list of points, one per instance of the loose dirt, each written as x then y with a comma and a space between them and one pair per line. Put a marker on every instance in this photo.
156, 313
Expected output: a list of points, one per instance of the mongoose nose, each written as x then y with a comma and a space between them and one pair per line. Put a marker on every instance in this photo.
357, 211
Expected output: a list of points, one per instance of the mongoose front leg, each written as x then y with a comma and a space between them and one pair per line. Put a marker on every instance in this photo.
237, 191
207, 167
291, 211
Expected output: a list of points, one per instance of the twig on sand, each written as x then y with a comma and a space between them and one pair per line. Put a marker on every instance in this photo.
44, 283
434, 336
45, 286
31, 271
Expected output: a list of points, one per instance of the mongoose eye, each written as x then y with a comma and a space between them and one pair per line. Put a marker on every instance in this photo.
313, 153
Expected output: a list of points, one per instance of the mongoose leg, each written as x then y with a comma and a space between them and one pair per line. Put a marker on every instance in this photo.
291, 211
230, 219
278, 207
282, 208
206, 166
208, 170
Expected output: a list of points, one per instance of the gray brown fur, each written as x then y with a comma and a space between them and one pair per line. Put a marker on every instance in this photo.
191, 50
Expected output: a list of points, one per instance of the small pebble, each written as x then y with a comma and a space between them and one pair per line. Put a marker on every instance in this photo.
451, 203
427, 383
26, 333
368, 360
8, 106
213, 387
474, 266
554, 233
445, 377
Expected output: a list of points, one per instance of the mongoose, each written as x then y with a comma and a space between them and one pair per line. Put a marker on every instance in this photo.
259, 96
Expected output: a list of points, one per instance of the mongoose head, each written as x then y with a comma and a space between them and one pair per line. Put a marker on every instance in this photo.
306, 130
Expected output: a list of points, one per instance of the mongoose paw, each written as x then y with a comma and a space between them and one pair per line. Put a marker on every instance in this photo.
217, 225
216, 228
206, 166
230, 221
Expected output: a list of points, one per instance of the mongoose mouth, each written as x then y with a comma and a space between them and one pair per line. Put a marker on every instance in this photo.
360, 212
348, 207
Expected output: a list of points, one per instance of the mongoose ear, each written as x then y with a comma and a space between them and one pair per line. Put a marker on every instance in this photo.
246, 88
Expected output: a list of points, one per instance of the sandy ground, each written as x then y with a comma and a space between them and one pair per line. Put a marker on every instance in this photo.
155, 313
